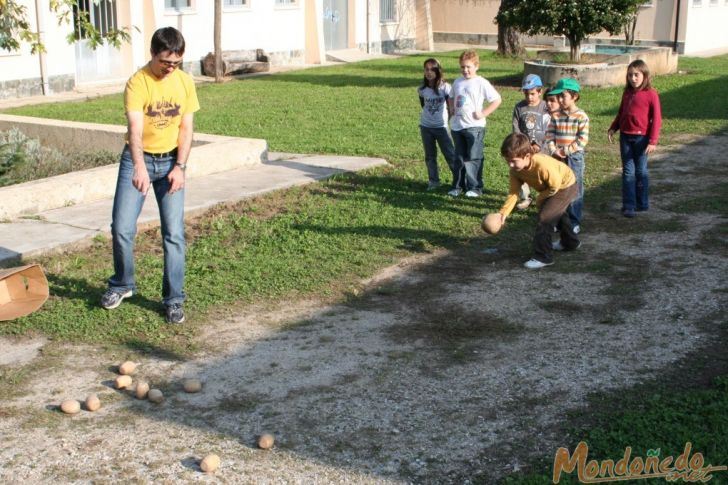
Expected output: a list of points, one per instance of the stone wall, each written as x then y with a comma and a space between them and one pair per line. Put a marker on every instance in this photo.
20, 88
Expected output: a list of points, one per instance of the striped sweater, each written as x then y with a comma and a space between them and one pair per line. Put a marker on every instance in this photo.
569, 131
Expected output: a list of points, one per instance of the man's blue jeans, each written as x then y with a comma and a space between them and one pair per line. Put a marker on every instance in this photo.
635, 182
431, 137
128, 203
575, 161
469, 158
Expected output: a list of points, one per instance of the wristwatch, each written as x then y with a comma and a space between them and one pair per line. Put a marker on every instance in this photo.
182, 166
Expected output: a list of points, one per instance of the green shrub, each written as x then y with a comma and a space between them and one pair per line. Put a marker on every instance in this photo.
23, 159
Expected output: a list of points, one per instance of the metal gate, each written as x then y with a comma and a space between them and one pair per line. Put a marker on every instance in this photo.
105, 63
336, 20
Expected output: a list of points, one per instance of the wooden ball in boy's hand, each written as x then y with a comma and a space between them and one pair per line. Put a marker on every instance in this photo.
492, 223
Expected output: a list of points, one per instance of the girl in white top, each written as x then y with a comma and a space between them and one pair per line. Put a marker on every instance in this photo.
434, 94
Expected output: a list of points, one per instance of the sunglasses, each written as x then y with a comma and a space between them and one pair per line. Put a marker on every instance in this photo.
169, 63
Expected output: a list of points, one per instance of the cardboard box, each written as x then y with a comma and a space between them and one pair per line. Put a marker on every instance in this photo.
22, 291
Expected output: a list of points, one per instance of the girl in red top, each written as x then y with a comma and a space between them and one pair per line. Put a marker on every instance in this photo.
638, 121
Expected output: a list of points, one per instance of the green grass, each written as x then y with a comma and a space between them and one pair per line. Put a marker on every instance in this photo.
321, 239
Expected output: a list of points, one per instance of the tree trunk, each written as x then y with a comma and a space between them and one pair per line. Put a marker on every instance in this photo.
629, 29
509, 40
575, 50
217, 41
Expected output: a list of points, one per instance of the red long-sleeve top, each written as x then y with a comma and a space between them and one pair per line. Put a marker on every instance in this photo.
639, 114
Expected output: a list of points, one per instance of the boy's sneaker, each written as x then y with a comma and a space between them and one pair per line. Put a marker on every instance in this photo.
524, 204
628, 213
112, 298
455, 192
432, 186
560, 247
175, 313
536, 264
472, 193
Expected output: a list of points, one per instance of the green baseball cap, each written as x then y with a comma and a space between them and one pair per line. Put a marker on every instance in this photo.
564, 84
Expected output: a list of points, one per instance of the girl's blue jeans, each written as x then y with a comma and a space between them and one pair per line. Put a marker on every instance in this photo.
128, 203
468, 167
635, 182
431, 137
575, 161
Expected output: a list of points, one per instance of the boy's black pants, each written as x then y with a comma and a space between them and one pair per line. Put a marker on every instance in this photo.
553, 214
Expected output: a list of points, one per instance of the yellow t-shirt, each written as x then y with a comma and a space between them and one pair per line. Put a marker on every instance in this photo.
163, 102
545, 174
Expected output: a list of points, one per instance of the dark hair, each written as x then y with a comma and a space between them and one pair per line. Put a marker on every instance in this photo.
574, 94
438, 75
516, 145
168, 39
640, 66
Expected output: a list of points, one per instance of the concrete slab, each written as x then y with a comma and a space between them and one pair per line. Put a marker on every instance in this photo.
352, 55
25, 239
76, 225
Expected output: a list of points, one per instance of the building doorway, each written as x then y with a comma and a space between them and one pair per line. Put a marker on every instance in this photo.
105, 63
336, 20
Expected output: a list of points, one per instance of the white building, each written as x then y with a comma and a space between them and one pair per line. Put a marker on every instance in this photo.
289, 31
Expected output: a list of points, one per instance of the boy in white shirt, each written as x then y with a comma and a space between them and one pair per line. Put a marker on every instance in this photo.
467, 127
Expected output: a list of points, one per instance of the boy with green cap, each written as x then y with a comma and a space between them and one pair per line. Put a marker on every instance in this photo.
566, 137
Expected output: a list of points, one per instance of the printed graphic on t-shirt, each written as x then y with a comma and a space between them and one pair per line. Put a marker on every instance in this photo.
529, 122
434, 105
162, 112
461, 104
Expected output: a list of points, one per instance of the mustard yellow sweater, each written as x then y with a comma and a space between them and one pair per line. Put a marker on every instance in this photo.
545, 174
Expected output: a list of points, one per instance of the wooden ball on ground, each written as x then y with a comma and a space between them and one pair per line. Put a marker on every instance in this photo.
266, 441
93, 403
127, 368
141, 390
70, 406
210, 463
192, 385
155, 395
122, 382
492, 223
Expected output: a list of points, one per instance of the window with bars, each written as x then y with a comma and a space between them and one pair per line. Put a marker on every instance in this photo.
286, 2
387, 11
177, 4
235, 3
101, 15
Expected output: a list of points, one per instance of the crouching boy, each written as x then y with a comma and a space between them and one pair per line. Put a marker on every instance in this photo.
556, 185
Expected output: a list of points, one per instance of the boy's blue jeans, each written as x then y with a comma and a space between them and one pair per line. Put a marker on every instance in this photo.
128, 202
431, 137
575, 161
468, 166
635, 182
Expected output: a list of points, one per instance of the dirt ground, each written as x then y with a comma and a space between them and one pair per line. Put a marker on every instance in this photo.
450, 367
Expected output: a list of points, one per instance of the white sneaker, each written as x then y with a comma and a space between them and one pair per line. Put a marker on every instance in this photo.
536, 264
471, 193
576, 229
455, 192
523, 205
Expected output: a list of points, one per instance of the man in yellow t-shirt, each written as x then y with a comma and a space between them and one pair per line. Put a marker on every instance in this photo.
556, 185
160, 101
